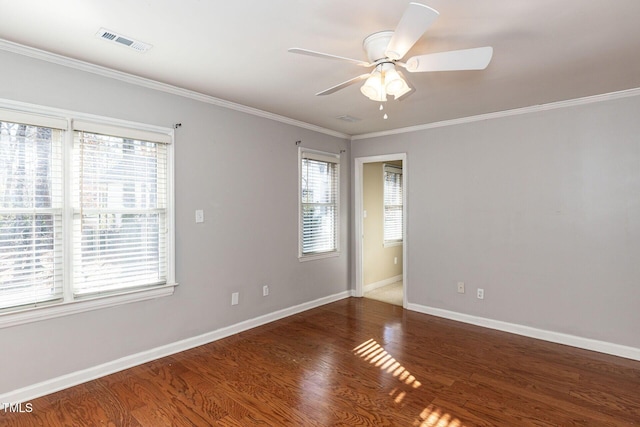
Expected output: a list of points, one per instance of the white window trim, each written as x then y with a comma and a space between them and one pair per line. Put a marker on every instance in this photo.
392, 244
68, 305
54, 310
320, 155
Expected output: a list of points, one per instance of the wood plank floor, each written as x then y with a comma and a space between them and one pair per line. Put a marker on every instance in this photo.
358, 362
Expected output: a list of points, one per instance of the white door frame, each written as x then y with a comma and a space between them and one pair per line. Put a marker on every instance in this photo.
359, 213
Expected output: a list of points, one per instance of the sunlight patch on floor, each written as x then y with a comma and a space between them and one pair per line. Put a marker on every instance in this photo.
376, 355
434, 417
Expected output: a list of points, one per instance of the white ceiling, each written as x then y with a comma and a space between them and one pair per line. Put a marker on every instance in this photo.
544, 51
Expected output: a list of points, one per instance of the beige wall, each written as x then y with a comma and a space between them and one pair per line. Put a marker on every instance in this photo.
378, 262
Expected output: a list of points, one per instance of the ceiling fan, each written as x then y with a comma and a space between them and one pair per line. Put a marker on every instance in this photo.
385, 49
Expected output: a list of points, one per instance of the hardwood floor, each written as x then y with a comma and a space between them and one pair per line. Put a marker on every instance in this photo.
358, 362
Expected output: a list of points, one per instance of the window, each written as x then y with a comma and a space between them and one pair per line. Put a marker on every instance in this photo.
392, 204
119, 212
85, 211
319, 204
30, 212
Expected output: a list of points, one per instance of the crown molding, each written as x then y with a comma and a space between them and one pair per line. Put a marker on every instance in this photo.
507, 113
155, 85
197, 96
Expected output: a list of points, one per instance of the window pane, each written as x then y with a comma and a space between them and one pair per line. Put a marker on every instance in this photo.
117, 173
318, 181
120, 218
30, 214
319, 196
392, 188
392, 204
392, 223
318, 229
118, 251
30, 166
30, 259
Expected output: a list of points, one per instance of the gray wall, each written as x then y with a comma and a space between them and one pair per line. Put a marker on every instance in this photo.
541, 210
241, 169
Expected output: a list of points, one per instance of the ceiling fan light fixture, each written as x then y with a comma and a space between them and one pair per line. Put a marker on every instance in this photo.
384, 81
385, 48
373, 88
406, 89
393, 83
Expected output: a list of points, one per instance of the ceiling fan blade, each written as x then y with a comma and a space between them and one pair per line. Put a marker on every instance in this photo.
415, 21
328, 56
344, 84
466, 59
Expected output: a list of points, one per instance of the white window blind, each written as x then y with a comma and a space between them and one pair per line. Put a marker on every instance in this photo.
31, 253
392, 204
319, 179
86, 210
119, 213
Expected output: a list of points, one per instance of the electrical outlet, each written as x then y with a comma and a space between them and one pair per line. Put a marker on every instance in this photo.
199, 215
265, 290
480, 293
461, 287
234, 298
395, 260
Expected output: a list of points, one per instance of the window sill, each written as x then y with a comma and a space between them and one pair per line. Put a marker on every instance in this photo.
304, 258
67, 308
392, 244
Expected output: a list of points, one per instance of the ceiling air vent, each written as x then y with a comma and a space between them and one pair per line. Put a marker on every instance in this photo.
348, 118
122, 40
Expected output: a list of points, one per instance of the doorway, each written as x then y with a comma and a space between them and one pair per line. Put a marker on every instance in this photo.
380, 224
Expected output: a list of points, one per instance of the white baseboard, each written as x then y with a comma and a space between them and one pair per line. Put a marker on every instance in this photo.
527, 331
34, 391
385, 282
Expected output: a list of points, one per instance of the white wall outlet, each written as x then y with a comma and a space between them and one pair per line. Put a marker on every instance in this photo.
461, 287
480, 293
265, 290
199, 215
364, 214
234, 298
395, 260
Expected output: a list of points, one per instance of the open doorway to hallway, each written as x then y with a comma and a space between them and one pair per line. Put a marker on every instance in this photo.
380, 218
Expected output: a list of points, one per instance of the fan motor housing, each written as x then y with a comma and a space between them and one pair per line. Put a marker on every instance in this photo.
376, 44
